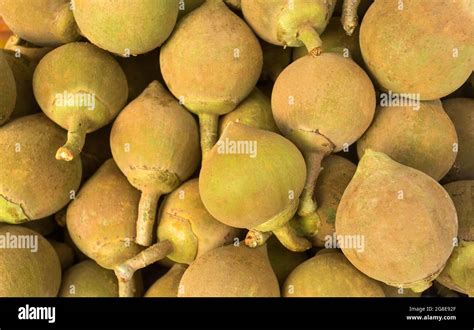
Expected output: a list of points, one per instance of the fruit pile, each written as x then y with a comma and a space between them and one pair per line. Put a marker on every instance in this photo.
236, 148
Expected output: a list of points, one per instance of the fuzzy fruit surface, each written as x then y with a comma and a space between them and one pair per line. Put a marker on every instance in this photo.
8, 87
424, 47
407, 220
168, 284
462, 194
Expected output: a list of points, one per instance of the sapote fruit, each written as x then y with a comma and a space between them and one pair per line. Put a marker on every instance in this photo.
419, 47
8, 87
252, 179
88, 279
255, 111
42, 22
34, 185
422, 137
321, 116
126, 27
275, 60
31, 52
395, 223
329, 274
25, 271
81, 88
155, 143
283, 261
461, 112
168, 284
223, 63
230, 271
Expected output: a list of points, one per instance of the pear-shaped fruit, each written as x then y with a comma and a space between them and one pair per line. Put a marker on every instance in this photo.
400, 42
8, 87
321, 115
252, 179
405, 221
65, 253
275, 60
230, 271
126, 27
420, 136
42, 22
88, 279
283, 261
34, 185
155, 143
329, 274
29, 266
168, 284
289, 23
461, 112
81, 88
223, 63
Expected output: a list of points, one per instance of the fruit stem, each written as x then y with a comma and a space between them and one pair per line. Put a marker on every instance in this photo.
208, 124
310, 38
256, 238
288, 237
349, 18
146, 217
76, 137
127, 288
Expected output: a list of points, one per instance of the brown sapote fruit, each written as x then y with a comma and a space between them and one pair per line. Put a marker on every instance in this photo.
289, 23
126, 27
34, 185
275, 60
422, 137
88, 279
155, 143
81, 88
65, 253
329, 274
29, 266
419, 47
405, 221
168, 284
42, 22
230, 271
283, 261
322, 116
252, 179
223, 63
461, 112
8, 87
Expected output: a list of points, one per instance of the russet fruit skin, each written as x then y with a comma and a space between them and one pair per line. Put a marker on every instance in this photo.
461, 112
407, 220
424, 139
126, 27
462, 194
42, 22
73, 70
34, 185
329, 274
426, 48
168, 284
230, 271
25, 273
8, 87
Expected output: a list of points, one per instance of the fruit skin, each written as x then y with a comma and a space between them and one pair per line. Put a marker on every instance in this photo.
55, 76
424, 139
462, 194
427, 48
112, 25
87, 279
33, 185
283, 261
8, 87
461, 112
379, 205
42, 22
25, 273
65, 253
230, 271
163, 141
168, 284
101, 220
329, 274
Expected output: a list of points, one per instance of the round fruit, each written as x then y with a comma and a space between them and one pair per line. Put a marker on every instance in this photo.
8, 87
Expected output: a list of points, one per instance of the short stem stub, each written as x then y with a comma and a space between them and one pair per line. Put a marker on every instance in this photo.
349, 18
208, 124
256, 238
146, 217
289, 238
76, 137
127, 289
310, 38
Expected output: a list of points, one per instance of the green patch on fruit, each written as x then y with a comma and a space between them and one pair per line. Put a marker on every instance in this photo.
11, 212
331, 216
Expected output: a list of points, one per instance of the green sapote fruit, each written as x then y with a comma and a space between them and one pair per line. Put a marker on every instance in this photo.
8, 87
81, 88
275, 60
33, 185
321, 116
395, 223
230, 271
283, 261
168, 284
88, 279
155, 143
289, 23
461, 112
187, 6
41, 22
223, 63
421, 136
419, 47
29, 266
252, 179
65, 253
254, 111
126, 27
329, 274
